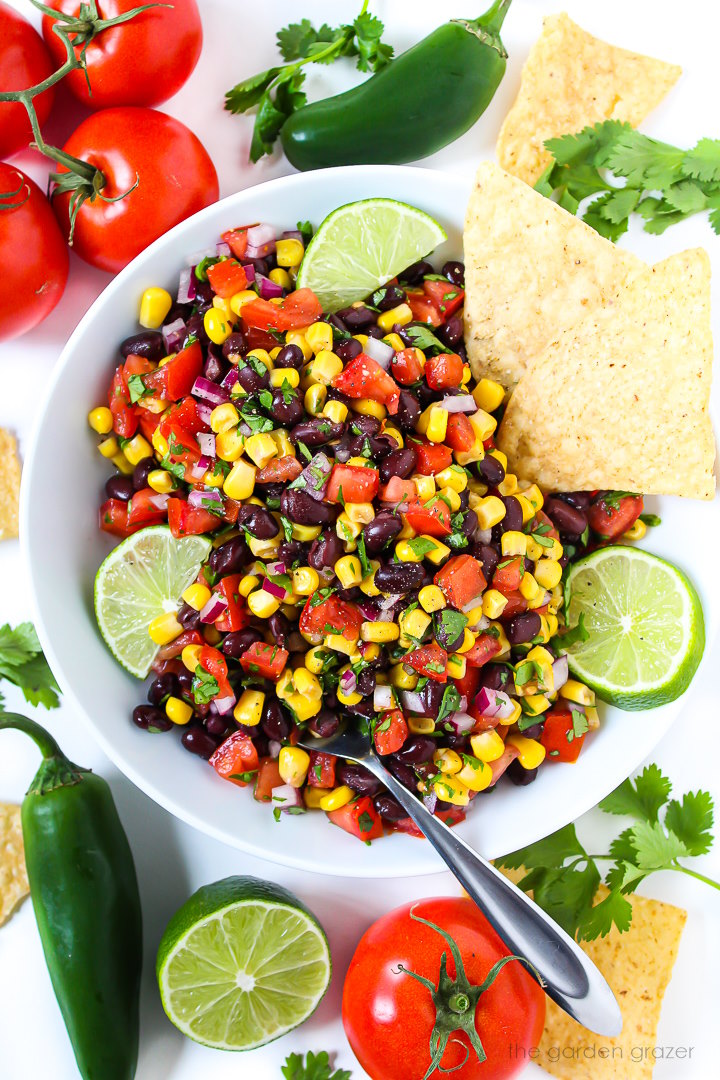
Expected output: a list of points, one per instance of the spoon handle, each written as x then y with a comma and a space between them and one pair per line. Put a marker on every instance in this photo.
571, 979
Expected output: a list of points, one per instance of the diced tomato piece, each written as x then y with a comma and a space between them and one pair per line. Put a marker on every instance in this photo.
266, 660
235, 615
453, 816
613, 519
460, 433
467, 685
486, 646
330, 616
359, 818
175, 379
213, 661
461, 580
364, 378
298, 309
390, 732
542, 521
148, 421
137, 365
259, 339
174, 648
142, 510
500, 764
397, 491
444, 371
422, 307
557, 736
236, 759
352, 484
227, 278
279, 470
237, 240
407, 367
431, 518
431, 457
268, 777
186, 414
516, 604
509, 574
186, 520
446, 297
183, 448
125, 421
430, 660
321, 773
113, 518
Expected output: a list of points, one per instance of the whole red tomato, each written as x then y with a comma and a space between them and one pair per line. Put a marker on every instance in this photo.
390, 1017
175, 178
24, 62
33, 255
141, 62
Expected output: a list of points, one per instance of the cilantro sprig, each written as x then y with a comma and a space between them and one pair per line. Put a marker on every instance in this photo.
23, 663
663, 184
312, 1067
564, 877
278, 92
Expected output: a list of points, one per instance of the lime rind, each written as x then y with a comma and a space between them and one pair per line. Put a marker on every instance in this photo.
646, 626
141, 578
361, 246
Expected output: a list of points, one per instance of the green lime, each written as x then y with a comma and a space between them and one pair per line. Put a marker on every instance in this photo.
140, 579
361, 246
241, 963
645, 622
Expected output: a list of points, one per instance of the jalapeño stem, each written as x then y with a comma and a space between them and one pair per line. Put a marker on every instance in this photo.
56, 770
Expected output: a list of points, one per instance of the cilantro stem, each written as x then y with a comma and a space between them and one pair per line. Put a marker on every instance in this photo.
695, 874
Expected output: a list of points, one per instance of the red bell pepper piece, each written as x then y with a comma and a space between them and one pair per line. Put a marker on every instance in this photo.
452, 816
407, 367
214, 663
460, 434
508, 575
446, 297
557, 735
397, 491
422, 307
485, 647
611, 521
237, 240
175, 379
186, 520
444, 371
125, 421
330, 616
298, 309
279, 470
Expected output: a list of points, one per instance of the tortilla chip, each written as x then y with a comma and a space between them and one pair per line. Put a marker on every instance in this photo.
637, 965
570, 80
620, 401
531, 270
13, 876
9, 485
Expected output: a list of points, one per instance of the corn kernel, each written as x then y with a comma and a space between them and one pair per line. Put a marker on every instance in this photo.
433, 423
229, 445
305, 580
240, 481
294, 337
289, 252
340, 796
414, 624
450, 497
109, 448
260, 448
448, 762
178, 710
161, 481
239, 299
450, 789
306, 683
349, 571
284, 377
577, 692
319, 337
420, 725
304, 707
264, 549
431, 598
534, 496
406, 553
262, 603
379, 631
190, 656
395, 342
425, 486
137, 449
400, 315
362, 338
489, 395
293, 765
339, 643
468, 641
217, 326
160, 443
475, 453
315, 398
347, 529
101, 420
453, 477
306, 533
456, 666
347, 698
534, 550
593, 718
528, 510
249, 708
337, 411
487, 745
508, 486
529, 587
312, 797
493, 604
315, 659
197, 596
367, 407
536, 704
475, 774
122, 464
513, 543
636, 531
393, 432
547, 573
483, 423
368, 585
165, 628
475, 617
402, 679
538, 601
532, 752
325, 367
224, 417
490, 512
360, 513
154, 306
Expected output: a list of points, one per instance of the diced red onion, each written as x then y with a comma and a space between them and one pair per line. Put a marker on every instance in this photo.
261, 234
368, 610
500, 764
260, 252
198, 256
276, 567
159, 501
412, 702
480, 624
196, 471
209, 391
482, 536
268, 289
186, 286
230, 379
348, 681
471, 603
319, 465
204, 412
380, 352
274, 748
249, 272
213, 609
494, 703
224, 705
560, 672
206, 442
204, 500
222, 249
464, 403
463, 704
173, 334
461, 722
430, 800
383, 698
244, 428
204, 463
274, 589
293, 234
286, 797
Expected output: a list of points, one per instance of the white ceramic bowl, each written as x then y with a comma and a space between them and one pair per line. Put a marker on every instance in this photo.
62, 483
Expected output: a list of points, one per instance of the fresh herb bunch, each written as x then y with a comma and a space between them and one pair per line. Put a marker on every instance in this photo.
564, 878
23, 663
663, 184
278, 92
313, 1067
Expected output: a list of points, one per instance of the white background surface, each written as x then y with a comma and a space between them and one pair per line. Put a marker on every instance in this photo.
172, 859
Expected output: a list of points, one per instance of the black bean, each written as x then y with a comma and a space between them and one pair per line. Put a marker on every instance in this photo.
188, 617
251, 379
358, 779
446, 638
366, 682
270, 493
491, 470
279, 628
142, 471
363, 709
520, 777
235, 345
416, 271
325, 551
381, 530
389, 808
149, 718
348, 350
185, 679
400, 577
391, 297
262, 266
336, 321
465, 502
239, 641
461, 743
431, 696
469, 522
567, 519
119, 487
218, 725
402, 772
488, 557
290, 356
364, 425
214, 368
533, 732
275, 723
408, 411
149, 343
398, 463
197, 741
203, 292
522, 628
416, 750
455, 271
579, 499
357, 318
259, 522
301, 508
317, 432
513, 520
497, 677
324, 724
164, 686
291, 551
286, 408
452, 332
195, 328
230, 557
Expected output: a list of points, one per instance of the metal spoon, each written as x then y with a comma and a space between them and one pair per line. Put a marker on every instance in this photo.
571, 979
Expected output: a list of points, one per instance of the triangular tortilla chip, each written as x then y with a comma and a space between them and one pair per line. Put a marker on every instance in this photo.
620, 401
13, 875
531, 270
9, 485
570, 80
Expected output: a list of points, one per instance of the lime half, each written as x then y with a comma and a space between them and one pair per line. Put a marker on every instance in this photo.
141, 578
361, 246
241, 963
645, 622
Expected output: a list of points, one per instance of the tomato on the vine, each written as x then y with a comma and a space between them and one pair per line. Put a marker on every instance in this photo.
161, 165
140, 62
33, 255
24, 62
393, 1020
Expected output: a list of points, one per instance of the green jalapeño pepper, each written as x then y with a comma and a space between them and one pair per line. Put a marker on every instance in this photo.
423, 100
85, 895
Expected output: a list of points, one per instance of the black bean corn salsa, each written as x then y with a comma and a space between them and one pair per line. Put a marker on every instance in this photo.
372, 558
